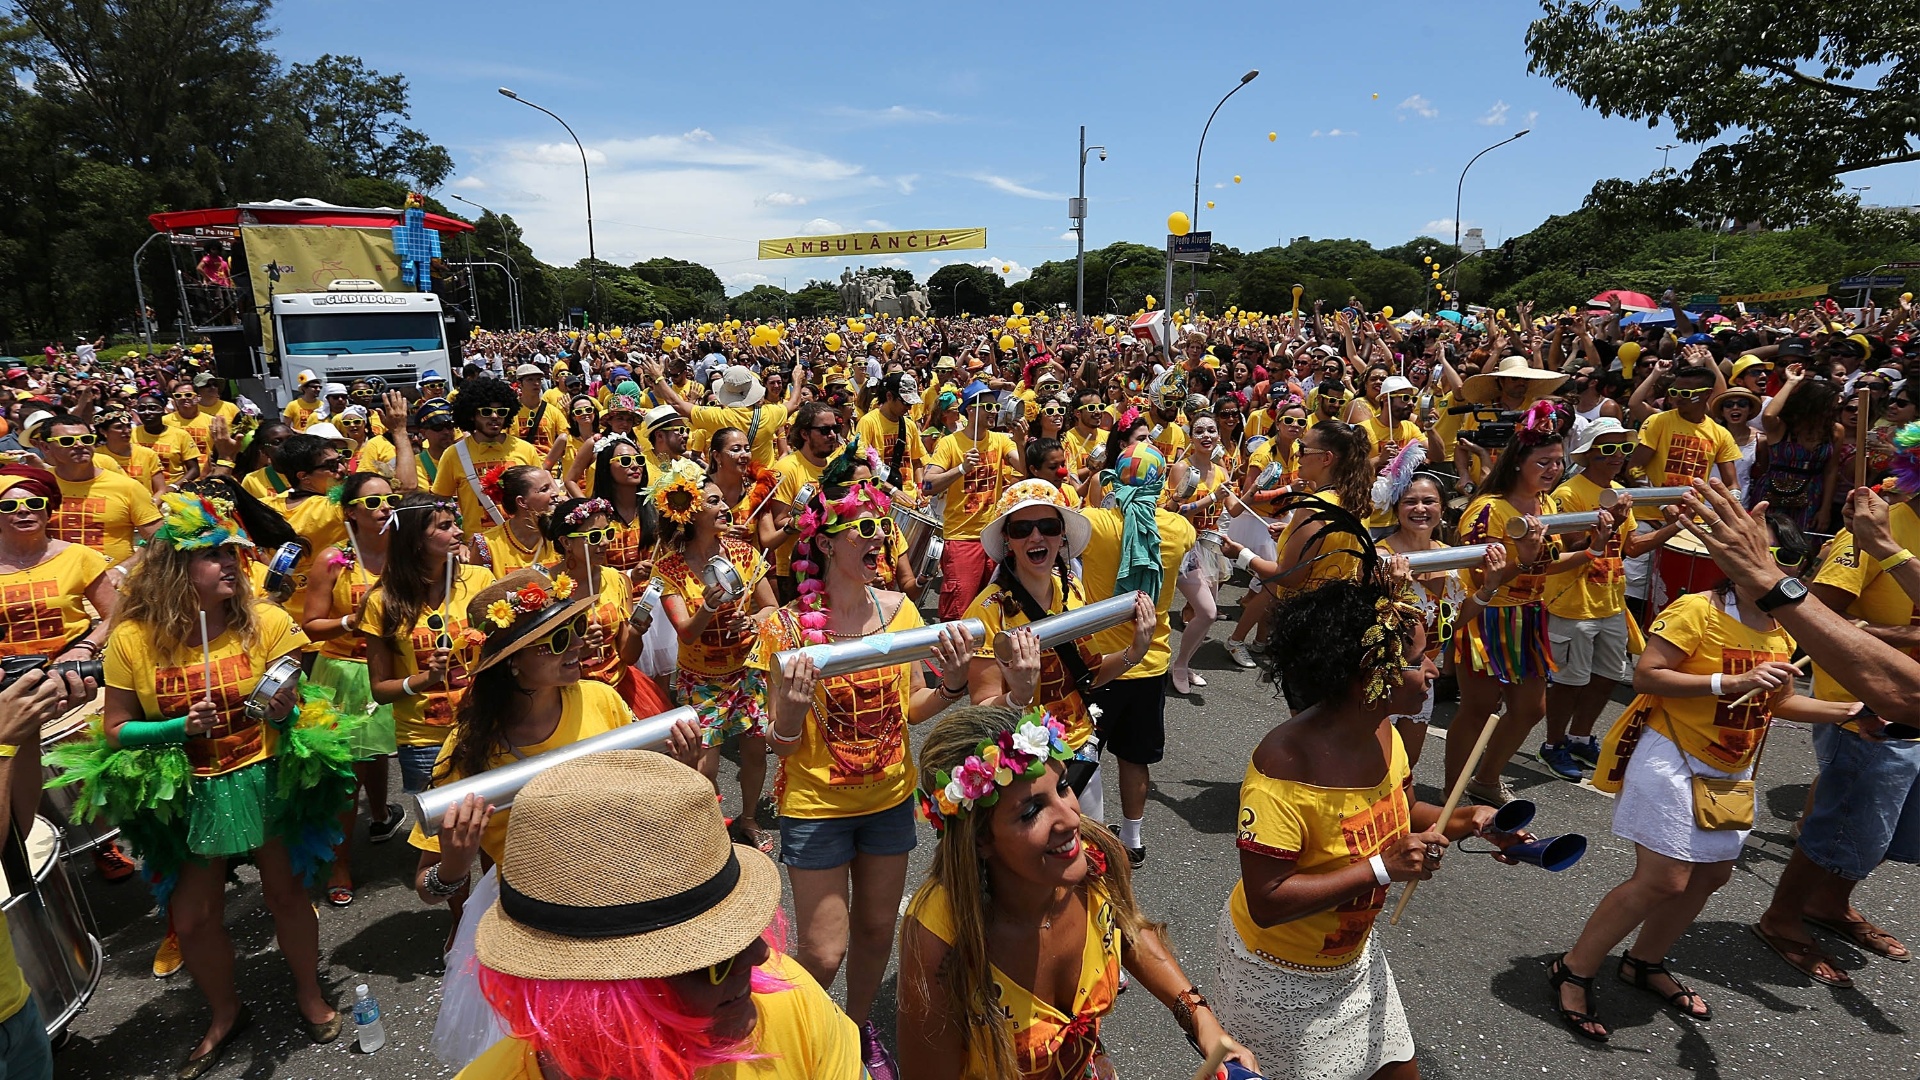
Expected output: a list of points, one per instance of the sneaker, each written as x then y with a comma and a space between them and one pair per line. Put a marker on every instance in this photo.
380, 832
167, 959
113, 863
1237, 650
880, 1065
1561, 761
1137, 856
1491, 795
1585, 751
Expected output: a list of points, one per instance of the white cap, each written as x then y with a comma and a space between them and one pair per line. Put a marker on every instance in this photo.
324, 430
1397, 384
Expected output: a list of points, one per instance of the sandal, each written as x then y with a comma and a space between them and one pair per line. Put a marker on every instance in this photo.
340, 895
1803, 956
1644, 970
1558, 974
1864, 936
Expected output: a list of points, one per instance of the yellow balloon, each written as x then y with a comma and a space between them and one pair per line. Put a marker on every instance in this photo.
1236, 178
1209, 204
1006, 342
870, 338
1906, 298
832, 342
1178, 223
1150, 301
1436, 275
1111, 328
1376, 97
1502, 313
1428, 259
657, 324
1272, 135
1019, 308
1386, 312
1006, 268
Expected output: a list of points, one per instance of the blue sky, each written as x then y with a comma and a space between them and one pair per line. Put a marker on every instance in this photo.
709, 126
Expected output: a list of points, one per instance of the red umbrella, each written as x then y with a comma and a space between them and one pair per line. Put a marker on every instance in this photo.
1631, 301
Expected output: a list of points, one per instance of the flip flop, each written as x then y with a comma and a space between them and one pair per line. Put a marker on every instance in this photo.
1802, 958
1862, 935
340, 896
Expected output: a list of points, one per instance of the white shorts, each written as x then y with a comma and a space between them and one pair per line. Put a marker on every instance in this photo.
1589, 649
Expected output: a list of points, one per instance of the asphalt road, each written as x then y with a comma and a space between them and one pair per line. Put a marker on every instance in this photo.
1470, 957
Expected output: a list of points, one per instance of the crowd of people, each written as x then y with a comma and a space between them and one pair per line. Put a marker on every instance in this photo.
577, 528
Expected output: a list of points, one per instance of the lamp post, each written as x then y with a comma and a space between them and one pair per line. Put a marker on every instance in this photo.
593, 261
958, 283
1244, 80
1460, 187
1077, 210
1107, 290
1664, 149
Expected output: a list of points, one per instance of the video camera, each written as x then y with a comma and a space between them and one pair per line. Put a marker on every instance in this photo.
12, 667
1496, 426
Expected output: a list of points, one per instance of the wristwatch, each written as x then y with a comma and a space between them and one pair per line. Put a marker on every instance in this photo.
1788, 590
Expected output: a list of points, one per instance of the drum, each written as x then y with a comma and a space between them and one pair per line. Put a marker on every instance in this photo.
927, 572
919, 531
278, 674
57, 804
58, 955
1685, 567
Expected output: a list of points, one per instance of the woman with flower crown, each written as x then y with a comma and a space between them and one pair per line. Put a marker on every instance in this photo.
1011, 950
580, 531
845, 788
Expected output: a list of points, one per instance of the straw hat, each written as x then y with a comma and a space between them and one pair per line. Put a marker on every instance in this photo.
520, 609
617, 866
1034, 492
1731, 392
1484, 388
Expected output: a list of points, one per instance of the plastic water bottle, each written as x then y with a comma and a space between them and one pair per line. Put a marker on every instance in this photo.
366, 1019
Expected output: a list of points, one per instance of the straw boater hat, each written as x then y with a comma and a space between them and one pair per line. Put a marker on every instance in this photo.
1034, 492
617, 866
520, 609
1484, 388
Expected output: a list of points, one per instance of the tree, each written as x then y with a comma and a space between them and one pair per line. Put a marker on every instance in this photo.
761, 303
1805, 92
978, 290
355, 116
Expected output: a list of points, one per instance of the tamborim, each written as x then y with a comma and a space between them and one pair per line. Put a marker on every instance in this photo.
280, 674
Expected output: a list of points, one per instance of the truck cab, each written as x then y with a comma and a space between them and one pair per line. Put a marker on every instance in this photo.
356, 330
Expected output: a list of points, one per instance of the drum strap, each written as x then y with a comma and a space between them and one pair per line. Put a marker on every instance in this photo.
753, 428
13, 860
899, 451
1069, 651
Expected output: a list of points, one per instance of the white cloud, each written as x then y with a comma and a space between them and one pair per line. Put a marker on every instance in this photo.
1018, 273
1496, 116
893, 114
1001, 183
470, 183
875, 224
821, 227
905, 184
1532, 115
698, 135
745, 280
1069, 235
1418, 105
780, 198
1437, 227
1336, 133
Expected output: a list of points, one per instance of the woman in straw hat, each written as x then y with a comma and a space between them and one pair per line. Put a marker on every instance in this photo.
528, 695
1511, 386
845, 789
1735, 408
648, 947
267, 782
1012, 948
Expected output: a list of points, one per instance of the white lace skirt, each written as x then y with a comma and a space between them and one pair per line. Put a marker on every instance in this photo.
1338, 1025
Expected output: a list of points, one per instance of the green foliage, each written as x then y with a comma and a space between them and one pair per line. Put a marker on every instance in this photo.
760, 304
961, 287
354, 115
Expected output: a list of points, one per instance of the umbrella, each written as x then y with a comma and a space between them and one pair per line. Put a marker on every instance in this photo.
1449, 315
1662, 317
1630, 301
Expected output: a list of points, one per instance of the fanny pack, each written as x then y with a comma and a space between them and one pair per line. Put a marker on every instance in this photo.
1723, 804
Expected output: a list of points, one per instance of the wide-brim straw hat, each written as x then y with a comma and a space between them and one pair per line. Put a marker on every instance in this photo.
1733, 392
530, 624
617, 866
1034, 492
1484, 388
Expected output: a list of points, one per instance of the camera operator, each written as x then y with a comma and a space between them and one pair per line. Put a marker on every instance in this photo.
1507, 389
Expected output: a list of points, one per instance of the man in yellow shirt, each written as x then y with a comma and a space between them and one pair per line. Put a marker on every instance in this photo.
740, 402
1085, 434
485, 408
207, 386
106, 511
179, 458
301, 413
538, 421
818, 435
889, 428
983, 462
207, 430
1683, 443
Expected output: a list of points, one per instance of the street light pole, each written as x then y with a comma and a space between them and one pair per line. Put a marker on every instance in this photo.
1664, 148
1460, 187
1077, 210
593, 261
1244, 80
1107, 290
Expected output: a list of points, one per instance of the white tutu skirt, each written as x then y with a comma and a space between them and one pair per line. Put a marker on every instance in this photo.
467, 1025
660, 648
1251, 533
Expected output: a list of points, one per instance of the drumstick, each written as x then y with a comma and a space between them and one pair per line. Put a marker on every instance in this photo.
1211, 1067
206, 655
447, 600
1862, 401
1453, 801
1799, 665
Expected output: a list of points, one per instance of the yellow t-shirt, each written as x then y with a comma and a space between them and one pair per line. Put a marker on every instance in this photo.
1335, 567
1598, 589
1212, 478
1682, 452
13, 982
140, 463
170, 679
1265, 455
1713, 641
1045, 1041
802, 1035
971, 498
1170, 439
609, 613
587, 708
1100, 568
199, 429
378, 455
321, 523
505, 555
103, 513
1404, 431
1447, 424
795, 472
1485, 522
423, 719
881, 433
708, 419
350, 588
713, 653
998, 610
1878, 598
451, 479
1080, 449
299, 415
263, 483
552, 425
854, 756
1320, 830
42, 609
173, 446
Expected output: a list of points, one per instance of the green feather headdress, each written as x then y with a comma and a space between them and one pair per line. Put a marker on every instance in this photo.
192, 522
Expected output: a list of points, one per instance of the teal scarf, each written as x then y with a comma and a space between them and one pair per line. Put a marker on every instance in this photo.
1140, 566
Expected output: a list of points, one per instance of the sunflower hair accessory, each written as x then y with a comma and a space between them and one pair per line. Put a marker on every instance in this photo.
1024, 751
192, 522
586, 511
529, 599
678, 500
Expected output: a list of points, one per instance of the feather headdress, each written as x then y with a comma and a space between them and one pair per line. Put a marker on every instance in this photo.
1392, 482
1906, 459
192, 522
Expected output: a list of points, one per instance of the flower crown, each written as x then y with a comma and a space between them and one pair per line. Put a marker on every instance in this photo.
678, 500
1022, 752
586, 511
192, 522
528, 600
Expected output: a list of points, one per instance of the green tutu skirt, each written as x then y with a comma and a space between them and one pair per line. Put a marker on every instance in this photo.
352, 691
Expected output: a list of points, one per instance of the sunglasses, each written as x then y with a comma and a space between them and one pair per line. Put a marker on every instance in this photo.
1690, 395
826, 429
564, 636
1612, 449
1785, 556
1293, 421
1093, 407
866, 528
1053, 410
73, 440
34, 503
437, 623
332, 465
493, 410
375, 502
586, 410
627, 461
1020, 530
595, 537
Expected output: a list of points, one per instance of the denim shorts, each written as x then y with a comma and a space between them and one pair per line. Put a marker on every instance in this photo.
1866, 807
416, 767
824, 843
